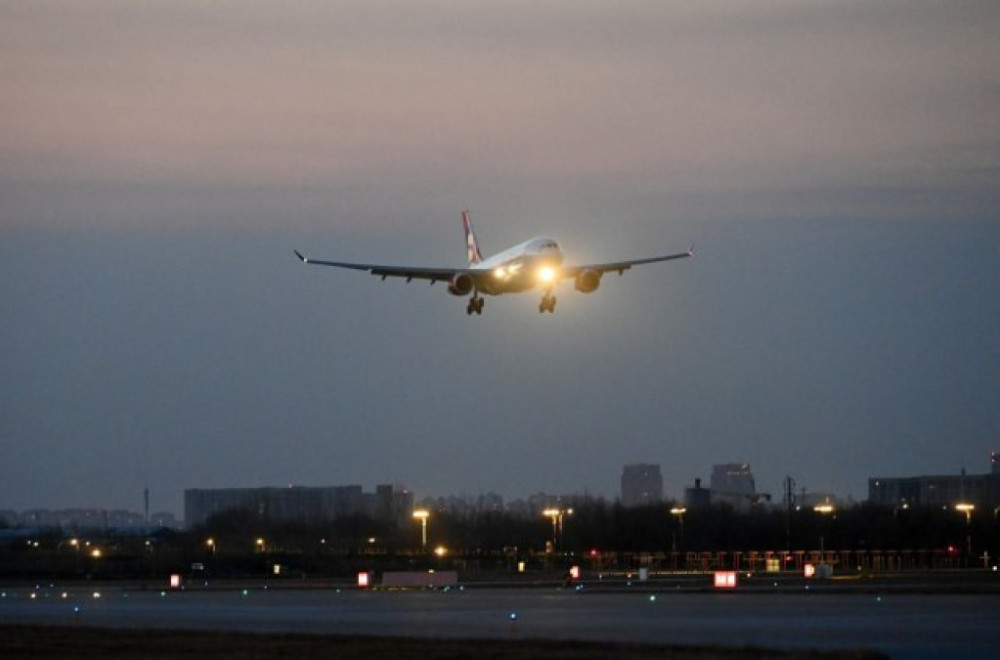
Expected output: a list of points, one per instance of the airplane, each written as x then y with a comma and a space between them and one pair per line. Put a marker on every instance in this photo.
534, 263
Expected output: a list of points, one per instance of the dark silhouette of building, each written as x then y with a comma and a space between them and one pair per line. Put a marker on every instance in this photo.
981, 490
923, 490
733, 484
641, 484
299, 503
697, 497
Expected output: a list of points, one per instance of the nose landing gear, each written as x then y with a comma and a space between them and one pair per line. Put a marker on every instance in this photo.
548, 304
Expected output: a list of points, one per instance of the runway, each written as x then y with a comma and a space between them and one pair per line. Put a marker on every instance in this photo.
902, 625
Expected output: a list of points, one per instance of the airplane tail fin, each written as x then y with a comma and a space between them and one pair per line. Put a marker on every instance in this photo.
471, 246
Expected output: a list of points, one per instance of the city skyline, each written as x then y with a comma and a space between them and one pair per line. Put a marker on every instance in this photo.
539, 498
834, 164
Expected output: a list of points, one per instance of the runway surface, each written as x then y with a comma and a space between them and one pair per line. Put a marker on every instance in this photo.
903, 625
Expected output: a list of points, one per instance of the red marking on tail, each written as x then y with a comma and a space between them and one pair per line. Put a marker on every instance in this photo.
471, 246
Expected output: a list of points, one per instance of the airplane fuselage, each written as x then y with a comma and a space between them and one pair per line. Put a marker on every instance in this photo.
521, 268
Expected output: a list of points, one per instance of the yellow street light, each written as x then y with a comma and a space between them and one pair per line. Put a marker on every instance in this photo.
678, 512
422, 515
260, 544
557, 522
967, 509
823, 509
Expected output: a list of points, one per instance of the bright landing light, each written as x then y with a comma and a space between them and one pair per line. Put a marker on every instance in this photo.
546, 274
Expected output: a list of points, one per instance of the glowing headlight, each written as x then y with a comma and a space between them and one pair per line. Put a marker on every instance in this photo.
499, 273
546, 274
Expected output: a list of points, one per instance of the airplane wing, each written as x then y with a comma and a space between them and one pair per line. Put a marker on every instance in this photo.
622, 266
432, 274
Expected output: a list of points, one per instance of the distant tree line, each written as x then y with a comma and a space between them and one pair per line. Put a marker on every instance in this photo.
238, 542
612, 527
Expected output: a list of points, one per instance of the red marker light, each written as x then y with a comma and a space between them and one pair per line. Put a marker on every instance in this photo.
725, 579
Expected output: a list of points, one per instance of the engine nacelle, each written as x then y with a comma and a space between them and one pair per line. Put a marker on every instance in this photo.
460, 285
587, 281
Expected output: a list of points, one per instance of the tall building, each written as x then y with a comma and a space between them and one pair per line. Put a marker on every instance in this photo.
733, 484
641, 484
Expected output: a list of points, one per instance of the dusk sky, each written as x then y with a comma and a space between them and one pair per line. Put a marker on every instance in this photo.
836, 165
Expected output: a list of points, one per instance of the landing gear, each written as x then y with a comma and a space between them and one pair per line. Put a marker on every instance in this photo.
476, 305
548, 304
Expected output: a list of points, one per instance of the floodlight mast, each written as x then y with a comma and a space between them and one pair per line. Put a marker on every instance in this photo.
422, 515
557, 523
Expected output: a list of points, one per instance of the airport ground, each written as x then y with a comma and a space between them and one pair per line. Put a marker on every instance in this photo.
292, 591
69, 642
905, 615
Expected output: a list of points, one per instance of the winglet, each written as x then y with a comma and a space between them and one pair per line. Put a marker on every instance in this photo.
691, 250
301, 258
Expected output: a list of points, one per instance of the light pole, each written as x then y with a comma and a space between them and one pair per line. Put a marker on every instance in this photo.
557, 524
211, 546
422, 515
967, 509
824, 510
678, 512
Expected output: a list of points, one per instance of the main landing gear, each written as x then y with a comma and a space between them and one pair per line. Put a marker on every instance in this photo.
548, 304
476, 305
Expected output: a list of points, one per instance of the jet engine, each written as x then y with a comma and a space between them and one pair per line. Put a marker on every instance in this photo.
587, 281
460, 285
